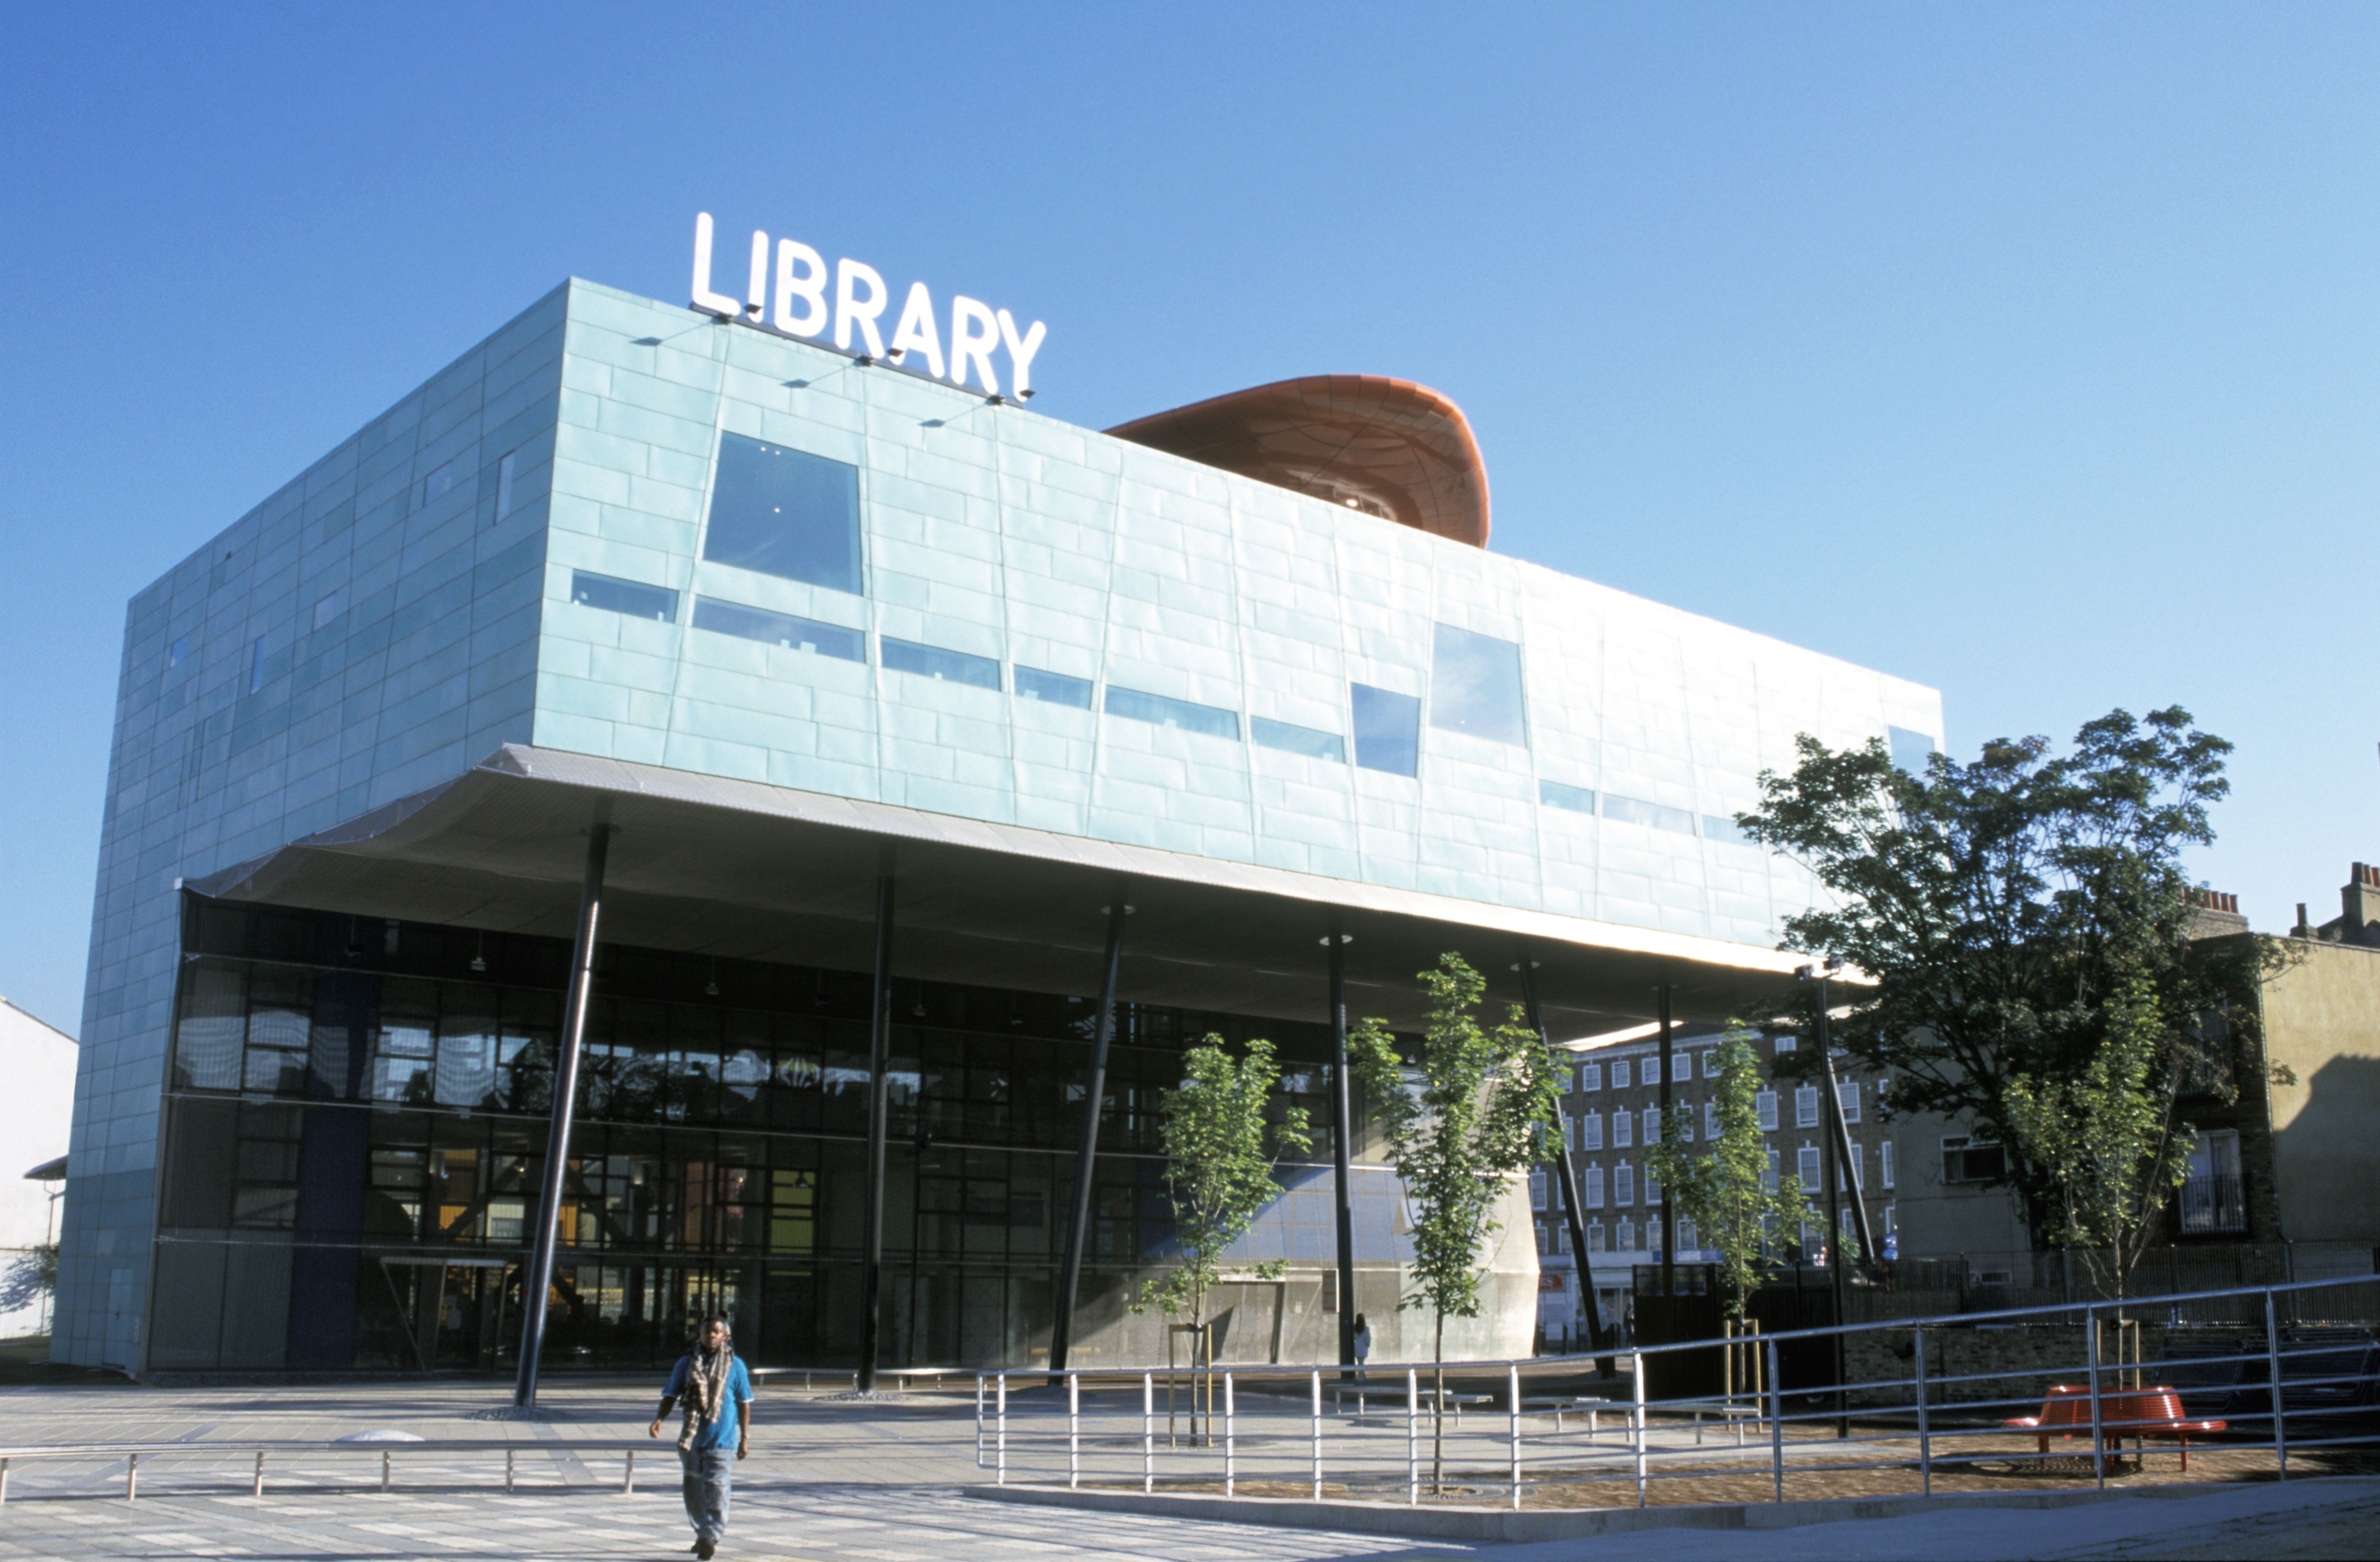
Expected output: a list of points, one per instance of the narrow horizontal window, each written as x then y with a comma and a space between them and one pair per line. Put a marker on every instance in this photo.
329, 608
779, 629
505, 483
1719, 827
1555, 795
784, 513
1054, 688
1634, 811
931, 662
1474, 686
1211, 720
1308, 741
632, 597
438, 482
1388, 730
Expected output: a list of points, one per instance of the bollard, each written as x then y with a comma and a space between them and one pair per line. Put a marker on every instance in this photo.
1073, 1431
132, 1479
3, 1480
1318, 1436
383, 1470
1148, 1430
628, 1474
1230, 1443
1413, 1436
979, 1421
1001, 1410
1776, 1425
1512, 1384
1924, 1434
2090, 1355
1636, 1415
2273, 1386
508, 1472
257, 1490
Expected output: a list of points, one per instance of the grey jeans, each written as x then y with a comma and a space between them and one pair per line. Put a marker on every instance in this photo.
709, 1474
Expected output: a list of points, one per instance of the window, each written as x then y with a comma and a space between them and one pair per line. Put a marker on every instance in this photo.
1765, 1105
1652, 1189
784, 513
1308, 741
780, 629
1966, 1158
1054, 688
1592, 1198
1161, 711
1884, 1161
1769, 1179
1624, 1129
1388, 730
176, 652
1576, 799
1710, 1062
1632, 810
1710, 1120
1806, 1168
1652, 1125
2211, 1197
1537, 1190
1847, 1092
1475, 686
505, 483
1719, 827
1688, 1240
438, 482
1590, 1076
1781, 1046
1806, 1106
329, 608
1620, 1073
1623, 1184
1910, 750
1591, 1131
932, 661
1628, 1236
256, 664
1595, 1235
632, 597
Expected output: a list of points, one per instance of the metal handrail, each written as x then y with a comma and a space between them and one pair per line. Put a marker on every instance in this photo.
131, 1452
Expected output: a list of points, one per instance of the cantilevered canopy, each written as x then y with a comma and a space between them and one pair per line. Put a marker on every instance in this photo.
1388, 447
746, 870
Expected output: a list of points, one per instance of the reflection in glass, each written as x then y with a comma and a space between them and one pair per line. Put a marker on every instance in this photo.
932, 661
632, 597
779, 629
1307, 741
784, 513
1054, 688
1576, 799
1162, 711
1388, 730
1474, 686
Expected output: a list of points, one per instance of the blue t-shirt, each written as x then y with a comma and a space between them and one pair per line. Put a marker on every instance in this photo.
721, 1433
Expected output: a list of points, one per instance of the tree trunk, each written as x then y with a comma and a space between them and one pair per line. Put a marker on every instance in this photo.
1438, 1410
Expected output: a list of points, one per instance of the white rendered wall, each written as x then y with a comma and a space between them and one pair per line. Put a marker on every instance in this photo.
38, 1062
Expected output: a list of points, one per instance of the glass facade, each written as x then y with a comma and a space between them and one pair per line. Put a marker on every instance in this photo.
356, 1123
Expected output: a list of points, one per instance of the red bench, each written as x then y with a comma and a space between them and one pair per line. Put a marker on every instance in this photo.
2137, 1413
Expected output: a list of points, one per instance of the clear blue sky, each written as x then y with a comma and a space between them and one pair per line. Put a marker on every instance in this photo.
2032, 353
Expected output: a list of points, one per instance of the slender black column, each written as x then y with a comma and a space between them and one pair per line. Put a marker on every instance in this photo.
1079, 1215
538, 1278
1830, 1172
1341, 1139
1842, 1134
880, 1059
1566, 1176
1669, 1205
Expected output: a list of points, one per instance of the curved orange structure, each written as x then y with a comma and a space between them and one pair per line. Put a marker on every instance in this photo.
1388, 447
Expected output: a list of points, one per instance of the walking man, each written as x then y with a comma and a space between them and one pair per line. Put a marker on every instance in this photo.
710, 1385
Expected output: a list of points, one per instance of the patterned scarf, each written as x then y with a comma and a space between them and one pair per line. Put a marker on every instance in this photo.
706, 1382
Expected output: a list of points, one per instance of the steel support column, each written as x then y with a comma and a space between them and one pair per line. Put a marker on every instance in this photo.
1342, 1143
1079, 1215
538, 1278
879, 1060
1566, 1175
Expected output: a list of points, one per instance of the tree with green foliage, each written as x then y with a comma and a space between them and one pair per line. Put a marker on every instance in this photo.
1726, 1190
1219, 1169
1464, 1115
2024, 918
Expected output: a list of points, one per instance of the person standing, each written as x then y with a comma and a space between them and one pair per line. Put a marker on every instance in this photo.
711, 1387
1362, 1346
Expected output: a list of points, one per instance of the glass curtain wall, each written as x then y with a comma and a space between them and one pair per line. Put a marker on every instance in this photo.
356, 1122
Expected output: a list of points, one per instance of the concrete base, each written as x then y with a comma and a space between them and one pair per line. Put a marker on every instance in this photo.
1542, 1523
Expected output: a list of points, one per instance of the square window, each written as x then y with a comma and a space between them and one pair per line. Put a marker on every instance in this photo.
438, 482
1308, 741
786, 513
505, 483
329, 608
1475, 686
1160, 710
1054, 688
176, 652
781, 629
1910, 750
1388, 730
1783, 1044
1575, 799
931, 662
632, 597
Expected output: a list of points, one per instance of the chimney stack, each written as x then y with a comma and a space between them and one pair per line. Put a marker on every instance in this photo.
2358, 900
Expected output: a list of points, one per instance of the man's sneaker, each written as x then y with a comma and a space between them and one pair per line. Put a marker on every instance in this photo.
704, 1548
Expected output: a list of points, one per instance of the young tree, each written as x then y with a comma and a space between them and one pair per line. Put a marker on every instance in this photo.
1218, 1174
2017, 917
1725, 1190
1463, 1118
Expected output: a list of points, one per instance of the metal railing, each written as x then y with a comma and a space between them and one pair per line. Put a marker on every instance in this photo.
131, 1455
2262, 1381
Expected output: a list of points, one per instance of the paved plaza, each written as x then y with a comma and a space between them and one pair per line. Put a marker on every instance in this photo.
851, 1481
